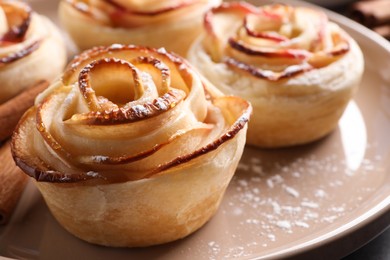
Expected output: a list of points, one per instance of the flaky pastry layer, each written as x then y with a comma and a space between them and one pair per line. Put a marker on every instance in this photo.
298, 69
169, 24
31, 49
131, 147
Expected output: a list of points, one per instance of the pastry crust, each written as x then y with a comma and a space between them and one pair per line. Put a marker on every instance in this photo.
29, 45
298, 70
169, 24
136, 159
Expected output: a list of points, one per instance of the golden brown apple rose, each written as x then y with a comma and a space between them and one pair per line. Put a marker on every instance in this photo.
132, 147
298, 69
29, 45
170, 24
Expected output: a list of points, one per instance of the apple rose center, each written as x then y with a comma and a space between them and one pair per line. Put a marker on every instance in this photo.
115, 82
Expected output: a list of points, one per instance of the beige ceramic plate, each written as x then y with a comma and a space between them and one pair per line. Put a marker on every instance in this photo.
326, 198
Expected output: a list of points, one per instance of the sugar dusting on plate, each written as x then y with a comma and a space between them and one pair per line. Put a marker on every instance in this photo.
267, 199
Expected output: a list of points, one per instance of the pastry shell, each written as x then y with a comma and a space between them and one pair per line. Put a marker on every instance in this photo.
169, 203
294, 106
176, 35
25, 63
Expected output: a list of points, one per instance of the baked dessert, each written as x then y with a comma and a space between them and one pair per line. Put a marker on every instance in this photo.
131, 147
32, 53
298, 69
31, 49
172, 24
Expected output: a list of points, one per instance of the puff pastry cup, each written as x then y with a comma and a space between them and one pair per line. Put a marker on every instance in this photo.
132, 147
298, 69
172, 24
31, 49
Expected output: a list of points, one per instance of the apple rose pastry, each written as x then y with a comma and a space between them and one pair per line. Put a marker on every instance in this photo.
131, 147
298, 69
31, 49
172, 24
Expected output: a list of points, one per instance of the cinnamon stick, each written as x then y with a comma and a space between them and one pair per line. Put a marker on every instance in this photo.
371, 13
12, 183
13, 109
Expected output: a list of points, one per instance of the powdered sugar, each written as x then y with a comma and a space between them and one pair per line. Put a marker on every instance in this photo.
293, 192
272, 200
99, 158
92, 174
320, 193
284, 224
309, 204
274, 180
69, 98
116, 46
301, 224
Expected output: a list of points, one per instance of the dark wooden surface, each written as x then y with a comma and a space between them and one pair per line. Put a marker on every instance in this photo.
377, 249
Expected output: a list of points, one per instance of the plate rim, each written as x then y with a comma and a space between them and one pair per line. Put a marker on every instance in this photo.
379, 214
376, 219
